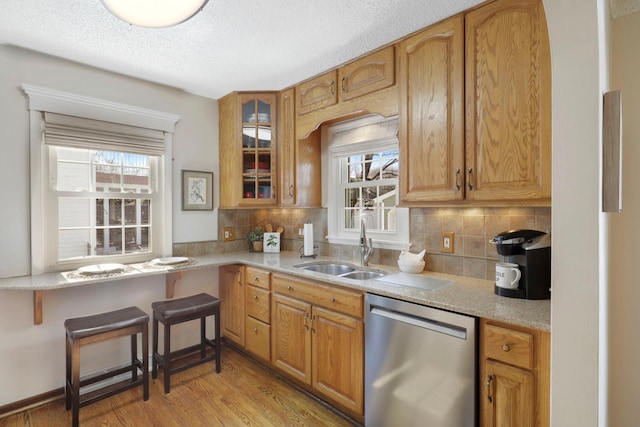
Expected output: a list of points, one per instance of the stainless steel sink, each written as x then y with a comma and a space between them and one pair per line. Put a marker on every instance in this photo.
348, 271
332, 269
363, 275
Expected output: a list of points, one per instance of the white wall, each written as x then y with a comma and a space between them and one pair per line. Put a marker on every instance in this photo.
32, 357
624, 290
576, 99
195, 141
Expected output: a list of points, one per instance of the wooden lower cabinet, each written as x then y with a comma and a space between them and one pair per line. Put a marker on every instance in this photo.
258, 312
246, 308
291, 337
337, 360
514, 376
232, 311
317, 338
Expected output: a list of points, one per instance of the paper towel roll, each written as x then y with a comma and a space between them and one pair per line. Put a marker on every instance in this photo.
308, 239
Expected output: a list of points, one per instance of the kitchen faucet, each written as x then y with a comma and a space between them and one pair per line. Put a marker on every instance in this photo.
366, 247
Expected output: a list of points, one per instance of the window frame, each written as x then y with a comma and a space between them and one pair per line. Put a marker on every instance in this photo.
52, 196
334, 200
42, 100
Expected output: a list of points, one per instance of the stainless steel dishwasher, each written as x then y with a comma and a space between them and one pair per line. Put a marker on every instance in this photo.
420, 365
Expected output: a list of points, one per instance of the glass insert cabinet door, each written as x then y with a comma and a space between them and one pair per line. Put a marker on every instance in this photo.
258, 149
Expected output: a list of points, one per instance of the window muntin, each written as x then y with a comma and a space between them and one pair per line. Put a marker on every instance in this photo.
368, 182
104, 202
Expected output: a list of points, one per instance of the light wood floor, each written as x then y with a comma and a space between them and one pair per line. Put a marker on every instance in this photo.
243, 394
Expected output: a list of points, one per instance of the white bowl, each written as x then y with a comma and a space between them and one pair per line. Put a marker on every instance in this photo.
411, 266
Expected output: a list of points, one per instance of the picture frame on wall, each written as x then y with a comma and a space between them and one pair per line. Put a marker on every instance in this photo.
197, 190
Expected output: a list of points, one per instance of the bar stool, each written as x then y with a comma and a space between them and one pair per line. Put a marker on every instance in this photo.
180, 310
82, 331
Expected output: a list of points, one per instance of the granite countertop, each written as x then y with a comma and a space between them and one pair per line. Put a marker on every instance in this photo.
466, 295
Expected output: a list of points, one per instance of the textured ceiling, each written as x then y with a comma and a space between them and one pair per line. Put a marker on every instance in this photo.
230, 45
620, 8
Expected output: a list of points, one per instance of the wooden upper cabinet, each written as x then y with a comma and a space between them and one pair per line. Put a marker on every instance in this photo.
363, 76
248, 146
317, 93
287, 148
368, 74
508, 102
431, 134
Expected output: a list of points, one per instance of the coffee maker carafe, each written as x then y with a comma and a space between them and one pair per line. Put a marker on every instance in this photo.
531, 250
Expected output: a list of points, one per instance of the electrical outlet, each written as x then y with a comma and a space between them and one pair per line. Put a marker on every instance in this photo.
229, 234
447, 242
300, 231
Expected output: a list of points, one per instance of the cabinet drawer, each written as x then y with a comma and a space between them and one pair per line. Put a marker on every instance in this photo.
317, 93
258, 339
258, 304
258, 277
369, 74
509, 346
330, 297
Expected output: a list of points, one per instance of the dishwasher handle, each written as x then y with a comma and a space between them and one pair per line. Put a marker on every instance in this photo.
421, 322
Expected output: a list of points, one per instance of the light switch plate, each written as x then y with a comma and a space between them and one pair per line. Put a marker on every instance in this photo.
229, 234
447, 242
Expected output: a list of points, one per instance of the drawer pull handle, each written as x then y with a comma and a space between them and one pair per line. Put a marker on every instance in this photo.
333, 299
505, 347
255, 297
257, 279
255, 330
289, 288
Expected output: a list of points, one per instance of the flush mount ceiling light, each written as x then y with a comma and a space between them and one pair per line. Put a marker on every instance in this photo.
154, 13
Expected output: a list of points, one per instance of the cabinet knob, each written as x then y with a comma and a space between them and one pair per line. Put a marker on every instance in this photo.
333, 299
255, 297
255, 330
505, 347
289, 288
257, 279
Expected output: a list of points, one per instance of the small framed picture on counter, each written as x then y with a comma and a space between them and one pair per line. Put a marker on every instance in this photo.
197, 191
271, 242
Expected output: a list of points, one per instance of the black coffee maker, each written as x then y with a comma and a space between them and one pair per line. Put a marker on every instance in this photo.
531, 250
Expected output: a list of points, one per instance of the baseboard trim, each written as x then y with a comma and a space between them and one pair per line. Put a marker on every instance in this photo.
31, 402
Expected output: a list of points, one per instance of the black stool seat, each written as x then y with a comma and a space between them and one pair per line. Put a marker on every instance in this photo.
81, 331
180, 310
183, 309
81, 327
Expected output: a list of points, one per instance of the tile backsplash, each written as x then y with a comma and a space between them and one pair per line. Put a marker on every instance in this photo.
473, 228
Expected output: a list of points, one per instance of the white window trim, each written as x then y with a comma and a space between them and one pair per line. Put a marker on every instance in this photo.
46, 100
337, 234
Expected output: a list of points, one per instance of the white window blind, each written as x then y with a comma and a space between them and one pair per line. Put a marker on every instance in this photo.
76, 132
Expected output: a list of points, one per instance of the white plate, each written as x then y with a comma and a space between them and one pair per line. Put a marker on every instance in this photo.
171, 260
101, 269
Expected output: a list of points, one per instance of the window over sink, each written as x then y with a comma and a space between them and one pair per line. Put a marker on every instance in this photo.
363, 181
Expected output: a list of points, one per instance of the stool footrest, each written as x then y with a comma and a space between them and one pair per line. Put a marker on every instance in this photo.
178, 354
110, 374
104, 395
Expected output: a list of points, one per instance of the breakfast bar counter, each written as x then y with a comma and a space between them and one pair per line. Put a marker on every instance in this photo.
474, 297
